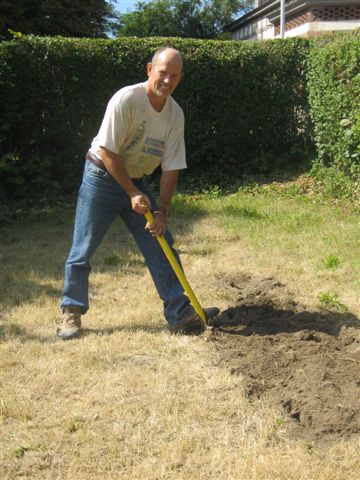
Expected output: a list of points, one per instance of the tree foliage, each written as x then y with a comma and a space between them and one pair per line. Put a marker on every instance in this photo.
67, 18
180, 18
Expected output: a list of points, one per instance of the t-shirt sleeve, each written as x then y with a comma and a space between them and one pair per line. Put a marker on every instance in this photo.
114, 126
174, 157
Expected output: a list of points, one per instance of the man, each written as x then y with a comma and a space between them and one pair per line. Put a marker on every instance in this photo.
143, 128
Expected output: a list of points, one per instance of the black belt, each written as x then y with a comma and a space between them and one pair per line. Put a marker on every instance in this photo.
95, 160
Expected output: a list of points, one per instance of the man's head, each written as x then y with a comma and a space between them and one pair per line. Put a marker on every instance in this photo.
164, 74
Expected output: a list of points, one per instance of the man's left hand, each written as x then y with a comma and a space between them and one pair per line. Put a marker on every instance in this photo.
158, 227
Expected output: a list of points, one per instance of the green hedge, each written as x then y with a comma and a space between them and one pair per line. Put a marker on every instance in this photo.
53, 92
334, 96
245, 104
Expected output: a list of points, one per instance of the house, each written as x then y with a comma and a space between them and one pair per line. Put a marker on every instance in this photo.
303, 18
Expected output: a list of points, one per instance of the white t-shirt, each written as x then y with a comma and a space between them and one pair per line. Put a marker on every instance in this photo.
143, 137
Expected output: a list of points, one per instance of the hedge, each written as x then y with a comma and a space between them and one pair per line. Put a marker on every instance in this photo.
245, 104
334, 97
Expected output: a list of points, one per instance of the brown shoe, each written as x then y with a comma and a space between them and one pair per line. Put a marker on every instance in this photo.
193, 325
71, 323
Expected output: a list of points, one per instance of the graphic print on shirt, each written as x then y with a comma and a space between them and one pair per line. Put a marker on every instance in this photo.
138, 136
144, 153
153, 147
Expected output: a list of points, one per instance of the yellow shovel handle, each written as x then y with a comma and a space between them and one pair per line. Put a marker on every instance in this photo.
178, 270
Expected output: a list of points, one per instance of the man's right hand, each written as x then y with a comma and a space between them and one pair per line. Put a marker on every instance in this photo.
115, 165
140, 203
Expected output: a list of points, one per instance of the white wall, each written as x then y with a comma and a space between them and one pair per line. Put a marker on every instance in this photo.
264, 30
322, 27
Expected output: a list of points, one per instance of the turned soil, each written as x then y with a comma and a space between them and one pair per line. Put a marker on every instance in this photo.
305, 362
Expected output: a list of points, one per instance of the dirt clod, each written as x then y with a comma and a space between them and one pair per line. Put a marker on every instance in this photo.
304, 361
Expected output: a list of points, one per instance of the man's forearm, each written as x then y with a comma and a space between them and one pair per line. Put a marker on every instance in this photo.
114, 164
115, 167
168, 184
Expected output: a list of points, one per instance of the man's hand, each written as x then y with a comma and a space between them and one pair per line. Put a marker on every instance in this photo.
158, 227
140, 202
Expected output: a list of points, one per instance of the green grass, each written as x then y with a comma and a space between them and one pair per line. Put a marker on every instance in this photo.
303, 235
291, 231
330, 300
332, 261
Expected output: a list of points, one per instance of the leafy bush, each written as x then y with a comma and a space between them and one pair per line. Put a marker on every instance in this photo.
334, 97
53, 94
245, 104
333, 182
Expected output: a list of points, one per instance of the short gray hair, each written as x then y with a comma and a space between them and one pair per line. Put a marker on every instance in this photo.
163, 49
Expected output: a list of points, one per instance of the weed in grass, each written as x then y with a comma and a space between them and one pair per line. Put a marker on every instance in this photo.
113, 259
291, 191
213, 192
202, 250
310, 449
224, 295
330, 300
331, 262
75, 424
19, 452
279, 422
242, 212
12, 330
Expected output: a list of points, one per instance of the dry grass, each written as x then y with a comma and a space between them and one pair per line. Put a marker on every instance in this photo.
128, 401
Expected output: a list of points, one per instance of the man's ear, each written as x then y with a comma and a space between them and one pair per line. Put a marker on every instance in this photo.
149, 69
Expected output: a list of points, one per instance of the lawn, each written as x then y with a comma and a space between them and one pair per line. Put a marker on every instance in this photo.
271, 393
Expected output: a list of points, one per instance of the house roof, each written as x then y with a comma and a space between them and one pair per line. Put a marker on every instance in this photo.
271, 10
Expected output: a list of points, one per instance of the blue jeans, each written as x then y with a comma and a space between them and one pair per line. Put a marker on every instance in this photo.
100, 200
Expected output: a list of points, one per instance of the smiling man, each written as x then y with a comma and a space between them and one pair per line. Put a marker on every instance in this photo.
142, 129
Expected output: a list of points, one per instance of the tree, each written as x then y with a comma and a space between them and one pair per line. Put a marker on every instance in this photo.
181, 18
69, 18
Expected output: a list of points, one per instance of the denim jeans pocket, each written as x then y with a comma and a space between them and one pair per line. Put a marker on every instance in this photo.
96, 171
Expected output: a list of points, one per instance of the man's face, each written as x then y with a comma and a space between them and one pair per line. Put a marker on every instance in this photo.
164, 75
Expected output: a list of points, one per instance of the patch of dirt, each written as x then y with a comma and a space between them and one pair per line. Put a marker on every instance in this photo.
307, 362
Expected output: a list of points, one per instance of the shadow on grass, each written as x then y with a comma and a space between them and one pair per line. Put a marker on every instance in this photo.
15, 331
193, 181
107, 331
